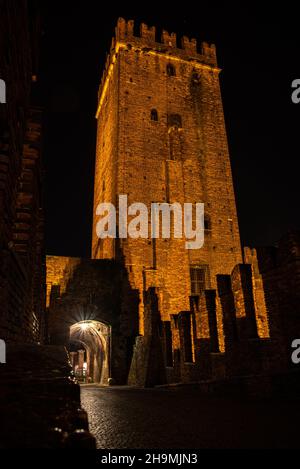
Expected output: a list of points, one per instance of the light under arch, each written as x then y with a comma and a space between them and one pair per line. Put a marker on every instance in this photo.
95, 336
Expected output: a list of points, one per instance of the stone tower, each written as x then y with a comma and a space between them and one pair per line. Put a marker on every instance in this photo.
161, 138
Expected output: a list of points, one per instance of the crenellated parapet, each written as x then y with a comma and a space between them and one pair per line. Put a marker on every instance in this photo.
124, 29
147, 33
147, 41
189, 45
125, 32
168, 39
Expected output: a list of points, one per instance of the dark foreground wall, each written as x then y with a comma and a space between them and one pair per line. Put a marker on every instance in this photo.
22, 259
40, 401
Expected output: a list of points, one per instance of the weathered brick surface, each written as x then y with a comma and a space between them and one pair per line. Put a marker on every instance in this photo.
241, 281
154, 161
161, 138
22, 259
148, 366
59, 271
279, 274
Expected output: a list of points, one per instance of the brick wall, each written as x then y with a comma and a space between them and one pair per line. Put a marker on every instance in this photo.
277, 273
163, 160
22, 258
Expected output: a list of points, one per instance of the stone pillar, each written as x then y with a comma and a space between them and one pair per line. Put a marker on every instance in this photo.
241, 280
147, 368
167, 343
206, 322
73, 359
226, 300
262, 316
80, 358
186, 336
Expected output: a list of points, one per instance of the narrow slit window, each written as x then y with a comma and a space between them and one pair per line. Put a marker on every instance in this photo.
171, 72
154, 115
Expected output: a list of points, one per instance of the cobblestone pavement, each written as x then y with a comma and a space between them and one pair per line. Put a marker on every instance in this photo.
181, 418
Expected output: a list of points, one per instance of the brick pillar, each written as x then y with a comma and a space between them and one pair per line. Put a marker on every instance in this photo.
226, 300
206, 322
186, 336
167, 342
147, 367
262, 316
241, 279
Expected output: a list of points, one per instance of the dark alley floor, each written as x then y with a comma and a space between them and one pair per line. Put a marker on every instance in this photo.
164, 418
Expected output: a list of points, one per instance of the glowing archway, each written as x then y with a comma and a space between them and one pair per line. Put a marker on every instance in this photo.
95, 356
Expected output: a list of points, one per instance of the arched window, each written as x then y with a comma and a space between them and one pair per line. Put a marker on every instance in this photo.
154, 115
171, 72
174, 120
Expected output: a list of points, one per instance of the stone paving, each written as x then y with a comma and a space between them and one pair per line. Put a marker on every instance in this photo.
181, 418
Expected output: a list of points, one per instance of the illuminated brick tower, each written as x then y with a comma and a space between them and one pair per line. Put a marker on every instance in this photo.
162, 138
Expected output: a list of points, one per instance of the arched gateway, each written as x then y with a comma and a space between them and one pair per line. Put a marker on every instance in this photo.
90, 351
93, 312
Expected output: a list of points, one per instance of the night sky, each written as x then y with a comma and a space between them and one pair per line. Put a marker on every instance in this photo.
259, 52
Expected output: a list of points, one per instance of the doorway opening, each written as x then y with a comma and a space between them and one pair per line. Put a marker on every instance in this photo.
90, 351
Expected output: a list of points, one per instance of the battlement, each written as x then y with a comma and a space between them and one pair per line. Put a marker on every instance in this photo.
146, 41
126, 36
125, 32
147, 33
